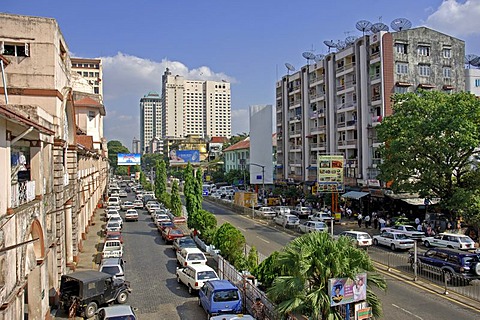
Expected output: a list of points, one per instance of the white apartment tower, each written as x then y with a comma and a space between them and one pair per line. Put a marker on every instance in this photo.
92, 71
150, 120
195, 107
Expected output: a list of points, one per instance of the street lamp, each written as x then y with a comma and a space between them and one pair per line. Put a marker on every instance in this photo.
263, 176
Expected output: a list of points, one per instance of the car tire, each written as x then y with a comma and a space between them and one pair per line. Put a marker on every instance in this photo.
477, 269
375, 242
178, 279
392, 246
91, 309
190, 289
426, 243
122, 297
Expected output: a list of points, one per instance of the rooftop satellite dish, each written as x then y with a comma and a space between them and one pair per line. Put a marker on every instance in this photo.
330, 44
471, 59
340, 45
400, 24
319, 57
289, 68
476, 62
350, 40
379, 26
364, 26
309, 56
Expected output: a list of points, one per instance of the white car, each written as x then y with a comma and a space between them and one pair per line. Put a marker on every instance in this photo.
394, 240
131, 215
311, 226
195, 276
110, 213
126, 205
287, 220
161, 217
450, 240
409, 231
114, 201
320, 216
138, 204
116, 218
301, 211
123, 194
266, 212
191, 256
282, 210
360, 239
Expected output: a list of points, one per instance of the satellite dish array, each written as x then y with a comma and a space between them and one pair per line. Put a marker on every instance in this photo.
472, 60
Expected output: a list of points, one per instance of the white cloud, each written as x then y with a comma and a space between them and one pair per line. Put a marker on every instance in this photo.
128, 78
456, 18
240, 121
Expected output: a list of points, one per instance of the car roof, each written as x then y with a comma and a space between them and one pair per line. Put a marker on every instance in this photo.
192, 250
355, 232
233, 317
222, 284
453, 234
457, 251
87, 275
200, 267
118, 310
110, 262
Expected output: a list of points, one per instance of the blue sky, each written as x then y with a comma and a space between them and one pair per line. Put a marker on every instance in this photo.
246, 42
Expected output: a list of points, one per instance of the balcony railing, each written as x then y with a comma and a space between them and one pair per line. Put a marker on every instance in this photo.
22, 192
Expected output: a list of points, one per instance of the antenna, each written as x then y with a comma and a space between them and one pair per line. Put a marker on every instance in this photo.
400, 24
377, 27
319, 57
289, 68
340, 45
350, 40
471, 60
330, 44
309, 56
364, 26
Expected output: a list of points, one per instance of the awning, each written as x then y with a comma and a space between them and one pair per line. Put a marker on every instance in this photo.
355, 195
419, 201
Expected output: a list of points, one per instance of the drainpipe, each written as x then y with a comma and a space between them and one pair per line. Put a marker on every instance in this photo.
4, 81
21, 136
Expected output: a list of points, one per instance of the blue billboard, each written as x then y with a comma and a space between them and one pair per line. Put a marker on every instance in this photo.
184, 156
128, 159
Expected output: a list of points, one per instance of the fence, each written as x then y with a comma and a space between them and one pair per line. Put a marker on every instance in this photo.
447, 281
22, 192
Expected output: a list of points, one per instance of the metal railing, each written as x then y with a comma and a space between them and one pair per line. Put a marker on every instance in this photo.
22, 192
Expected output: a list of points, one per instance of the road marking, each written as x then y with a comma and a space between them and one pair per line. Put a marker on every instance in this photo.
406, 311
242, 229
263, 239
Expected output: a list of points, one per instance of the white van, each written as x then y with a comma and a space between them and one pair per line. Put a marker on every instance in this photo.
114, 202
191, 256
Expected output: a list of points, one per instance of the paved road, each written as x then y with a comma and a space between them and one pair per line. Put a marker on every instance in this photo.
151, 268
401, 301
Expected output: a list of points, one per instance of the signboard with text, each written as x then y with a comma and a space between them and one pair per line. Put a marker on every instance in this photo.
184, 156
346, 290
128, 159
330, 173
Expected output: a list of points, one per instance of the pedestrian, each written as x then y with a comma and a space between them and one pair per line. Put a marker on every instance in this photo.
258, 309
381, 222
417, 221
419, 227
367, 221
349, 213
359, 219
375, 222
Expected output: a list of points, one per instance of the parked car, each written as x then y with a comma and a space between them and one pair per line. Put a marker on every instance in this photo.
311, 226
320, 216
138, 204
90, 289
114, 235
159, 217
450, 240
120, 312
112, 249
184, 242
301, 212
194, 276
220, 297
164, 224
282, 210
114, 201
126, 205
394, 240
266, 212
409, 231
360, 239
449, 262
131, 215
171, 233
191, 256
287, 220
113, 226
114, 267
122, 194
116, 218
239, 316
110, 213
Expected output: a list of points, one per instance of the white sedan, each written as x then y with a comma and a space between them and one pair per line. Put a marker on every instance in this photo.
195, 276
311, 226
131, 215
394, 240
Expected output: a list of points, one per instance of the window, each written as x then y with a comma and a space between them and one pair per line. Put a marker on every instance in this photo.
401, 48
477, 83
447, 72
91, 115
447, 53
423, 51
15, 49
401, 89
402, 68
424, 70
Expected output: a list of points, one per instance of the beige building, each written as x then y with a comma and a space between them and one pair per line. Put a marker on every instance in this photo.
53, 174
91, 70
194, 107
150, 121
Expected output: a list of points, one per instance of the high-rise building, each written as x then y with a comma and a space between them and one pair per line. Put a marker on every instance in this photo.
91, 70
150, 120
195, 107
333, 106
136, 146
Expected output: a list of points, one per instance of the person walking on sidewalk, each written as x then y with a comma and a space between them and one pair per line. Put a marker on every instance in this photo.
359, 219
367, 221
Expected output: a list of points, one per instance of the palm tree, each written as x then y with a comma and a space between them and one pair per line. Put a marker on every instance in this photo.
307, 263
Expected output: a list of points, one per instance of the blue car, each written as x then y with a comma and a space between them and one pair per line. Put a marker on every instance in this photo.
220, 297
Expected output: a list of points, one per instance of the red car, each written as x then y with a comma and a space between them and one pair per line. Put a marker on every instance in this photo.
171, 233
114, 235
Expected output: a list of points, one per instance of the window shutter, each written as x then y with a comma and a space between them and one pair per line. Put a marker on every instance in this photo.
27, 50
2, 47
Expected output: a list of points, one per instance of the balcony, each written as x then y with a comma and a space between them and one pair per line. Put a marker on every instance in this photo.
22, 192
317, 113
317, 145
317, 129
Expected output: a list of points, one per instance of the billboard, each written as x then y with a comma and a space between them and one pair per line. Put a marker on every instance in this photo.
330, 173
184, 156
261, 145
128, 159
346, 290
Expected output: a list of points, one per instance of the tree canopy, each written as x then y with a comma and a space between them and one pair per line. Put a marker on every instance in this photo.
175, 201
431, 146
114, 148
230, 241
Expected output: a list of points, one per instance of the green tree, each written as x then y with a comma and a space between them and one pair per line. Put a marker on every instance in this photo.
114, 148
149, 161
268, 270
160, 179
175, 201
431, 147
231, 242
252, 259
192, 203
205, 223
308, 262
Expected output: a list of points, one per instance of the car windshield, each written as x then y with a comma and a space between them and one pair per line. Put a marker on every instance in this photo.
113, 225
196, 256
186, 241
410, 228
110, 270
465, 239
363, 236
225, 295
401, 236
206, 275
292, 218
176, 231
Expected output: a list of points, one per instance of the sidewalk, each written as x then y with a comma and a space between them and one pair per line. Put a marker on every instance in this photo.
89, 257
